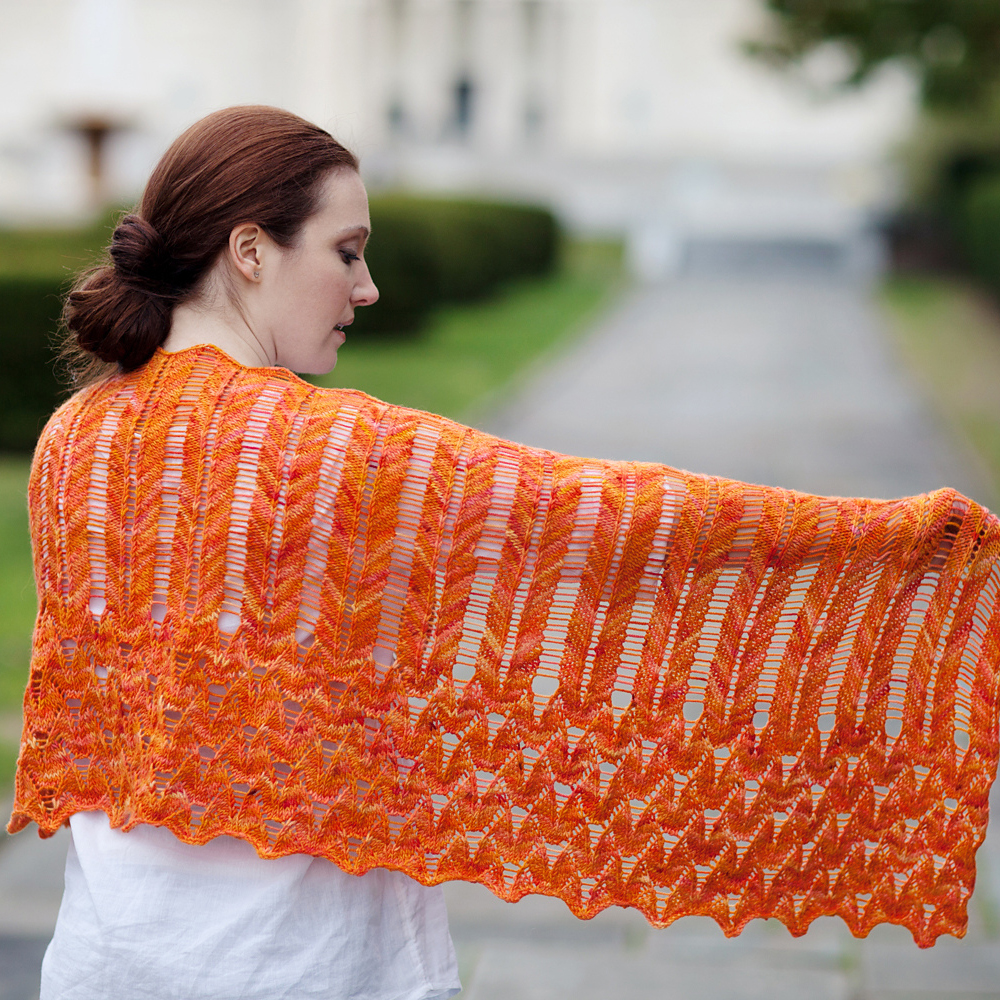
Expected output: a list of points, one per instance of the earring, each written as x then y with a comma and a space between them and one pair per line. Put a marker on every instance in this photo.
256, 274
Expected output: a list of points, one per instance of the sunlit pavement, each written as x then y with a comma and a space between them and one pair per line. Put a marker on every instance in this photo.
787, 380
780, 380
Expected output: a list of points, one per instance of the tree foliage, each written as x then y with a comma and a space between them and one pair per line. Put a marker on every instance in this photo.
953, 45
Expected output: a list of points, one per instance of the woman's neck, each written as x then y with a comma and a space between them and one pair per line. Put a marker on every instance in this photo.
193, 323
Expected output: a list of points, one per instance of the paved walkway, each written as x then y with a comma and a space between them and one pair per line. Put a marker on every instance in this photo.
782, 381
788, 381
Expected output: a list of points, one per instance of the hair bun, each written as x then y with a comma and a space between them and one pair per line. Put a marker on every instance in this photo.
138, 251
121, 313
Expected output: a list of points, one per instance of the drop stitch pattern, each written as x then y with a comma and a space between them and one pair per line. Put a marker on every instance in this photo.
328, 625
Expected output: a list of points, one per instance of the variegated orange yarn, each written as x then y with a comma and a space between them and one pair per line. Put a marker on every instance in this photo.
328, 625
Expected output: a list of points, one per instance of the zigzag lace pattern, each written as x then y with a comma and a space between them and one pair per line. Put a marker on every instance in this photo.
328, 625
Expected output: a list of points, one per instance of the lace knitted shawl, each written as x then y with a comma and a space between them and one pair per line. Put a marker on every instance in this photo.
328, 625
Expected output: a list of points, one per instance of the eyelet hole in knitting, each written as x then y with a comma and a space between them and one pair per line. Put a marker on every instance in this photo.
383, 657
487, 555
358, 552
97, 503
649, 584
520, 597
192, 590
563, 604
627, 665
229, 623
409, 510
244, 490
171, 480
544, 687
621, 699
321, 525
280, 514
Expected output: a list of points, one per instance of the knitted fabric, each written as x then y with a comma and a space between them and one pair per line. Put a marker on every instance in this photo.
329, 625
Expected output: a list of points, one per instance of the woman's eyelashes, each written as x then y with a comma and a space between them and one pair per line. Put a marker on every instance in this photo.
349, 256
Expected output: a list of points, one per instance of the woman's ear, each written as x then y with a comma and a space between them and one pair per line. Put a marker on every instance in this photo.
245, 245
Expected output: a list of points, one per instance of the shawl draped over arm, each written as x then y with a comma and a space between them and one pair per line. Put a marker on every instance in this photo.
328, 625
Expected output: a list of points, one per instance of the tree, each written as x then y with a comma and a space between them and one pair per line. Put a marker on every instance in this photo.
952, 45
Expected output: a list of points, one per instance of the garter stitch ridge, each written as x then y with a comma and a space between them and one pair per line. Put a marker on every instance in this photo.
329, 625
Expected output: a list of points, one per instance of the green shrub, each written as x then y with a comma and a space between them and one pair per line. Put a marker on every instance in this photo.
36, 268
29, 389
426, 251
979, 227
403, 267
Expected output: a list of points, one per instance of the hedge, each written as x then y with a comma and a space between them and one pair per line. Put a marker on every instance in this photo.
29, 313
979, 228
423, 252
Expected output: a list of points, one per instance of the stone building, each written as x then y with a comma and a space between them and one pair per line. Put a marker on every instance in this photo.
628, 115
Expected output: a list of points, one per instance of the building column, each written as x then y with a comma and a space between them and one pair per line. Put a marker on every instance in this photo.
328, 66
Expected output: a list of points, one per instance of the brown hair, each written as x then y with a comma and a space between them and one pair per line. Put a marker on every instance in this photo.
243, 164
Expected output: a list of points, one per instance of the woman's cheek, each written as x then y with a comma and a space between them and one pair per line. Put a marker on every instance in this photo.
342, 287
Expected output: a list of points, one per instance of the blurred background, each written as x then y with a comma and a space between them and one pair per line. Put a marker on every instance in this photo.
754, 238
627, 116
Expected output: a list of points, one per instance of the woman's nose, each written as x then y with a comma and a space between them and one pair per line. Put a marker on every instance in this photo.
365, 292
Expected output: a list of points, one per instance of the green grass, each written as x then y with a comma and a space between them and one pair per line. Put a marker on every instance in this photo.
17, 591
17, 604
468, 353
8, 764
950, 333
54, 252
465, 355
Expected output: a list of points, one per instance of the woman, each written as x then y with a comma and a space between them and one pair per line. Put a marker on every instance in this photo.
249, 236
281, 627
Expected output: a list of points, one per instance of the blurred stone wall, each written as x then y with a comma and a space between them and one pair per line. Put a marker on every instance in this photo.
637, 116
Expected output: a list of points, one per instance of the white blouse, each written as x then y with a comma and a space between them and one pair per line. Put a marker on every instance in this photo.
147, 917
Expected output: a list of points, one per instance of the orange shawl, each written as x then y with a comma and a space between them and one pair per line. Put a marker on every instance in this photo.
328, 625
